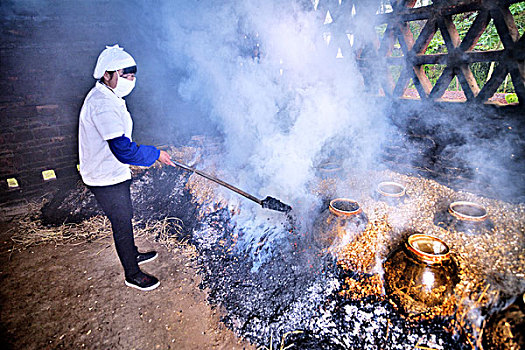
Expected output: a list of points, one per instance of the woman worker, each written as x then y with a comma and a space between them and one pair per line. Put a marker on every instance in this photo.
106, 150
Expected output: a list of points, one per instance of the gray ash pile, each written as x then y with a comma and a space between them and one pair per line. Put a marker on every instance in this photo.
277, 286
295, 297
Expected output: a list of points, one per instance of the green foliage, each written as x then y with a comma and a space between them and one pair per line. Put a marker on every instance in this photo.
511, 98
437, 45
433, 71
518, 12
395, 71
489, 40
507, 86
380, 30
480, 71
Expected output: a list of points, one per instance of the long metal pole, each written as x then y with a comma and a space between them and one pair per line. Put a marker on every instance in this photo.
220, 182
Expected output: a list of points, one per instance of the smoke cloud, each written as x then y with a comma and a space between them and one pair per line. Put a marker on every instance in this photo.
280, 83
265, 74
283, 88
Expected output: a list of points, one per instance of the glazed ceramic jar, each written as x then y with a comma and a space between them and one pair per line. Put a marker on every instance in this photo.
420, 276
343, 219
464, 216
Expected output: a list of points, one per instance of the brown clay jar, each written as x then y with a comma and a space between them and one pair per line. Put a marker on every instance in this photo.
342, 220
420, 276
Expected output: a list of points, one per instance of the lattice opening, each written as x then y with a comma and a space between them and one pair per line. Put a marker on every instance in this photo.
489, 39
397, 50
434, 72
416, 27
421, 3
518, 12
395, 73
505, 93
482, 71
380, 30
410, 91
463, 21
454, 85
437, 44
385, 7
507, 85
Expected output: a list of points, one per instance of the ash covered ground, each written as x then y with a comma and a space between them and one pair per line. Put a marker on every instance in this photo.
277, 286
293, 298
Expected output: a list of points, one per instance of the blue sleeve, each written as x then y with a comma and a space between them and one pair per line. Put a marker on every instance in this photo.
128, 152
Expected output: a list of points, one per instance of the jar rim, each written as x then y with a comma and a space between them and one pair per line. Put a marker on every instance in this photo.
427, 248
454, 210
329, 166
341, 212
382, 185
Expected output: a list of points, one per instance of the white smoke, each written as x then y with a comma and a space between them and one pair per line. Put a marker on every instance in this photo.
284, 98
279, 108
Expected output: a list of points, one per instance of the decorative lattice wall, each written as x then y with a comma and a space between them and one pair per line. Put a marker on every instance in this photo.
394, 61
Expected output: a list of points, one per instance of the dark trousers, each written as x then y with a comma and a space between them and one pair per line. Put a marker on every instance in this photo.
115, 200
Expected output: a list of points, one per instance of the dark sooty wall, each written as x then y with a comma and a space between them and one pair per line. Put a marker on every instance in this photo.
47, 55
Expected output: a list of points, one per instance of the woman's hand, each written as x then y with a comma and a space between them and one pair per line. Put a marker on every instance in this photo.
165, 158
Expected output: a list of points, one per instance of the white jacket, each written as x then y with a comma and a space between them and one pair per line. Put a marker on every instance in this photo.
103, 116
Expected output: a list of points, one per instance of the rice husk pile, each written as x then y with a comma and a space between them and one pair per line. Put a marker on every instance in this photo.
491, 262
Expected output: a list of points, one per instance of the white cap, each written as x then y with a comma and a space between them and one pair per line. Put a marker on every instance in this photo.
111, 59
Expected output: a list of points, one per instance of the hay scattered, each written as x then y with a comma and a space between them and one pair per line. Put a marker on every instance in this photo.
30, 231
282, 345
166, 232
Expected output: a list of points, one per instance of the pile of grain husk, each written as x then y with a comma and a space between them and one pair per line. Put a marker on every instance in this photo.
491, 261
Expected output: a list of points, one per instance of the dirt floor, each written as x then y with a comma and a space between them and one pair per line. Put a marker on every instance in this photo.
73, 296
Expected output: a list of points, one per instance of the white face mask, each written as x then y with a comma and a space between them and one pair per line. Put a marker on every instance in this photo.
124, 87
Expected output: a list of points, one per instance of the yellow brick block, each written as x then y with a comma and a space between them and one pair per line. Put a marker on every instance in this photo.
49, 175
12, 183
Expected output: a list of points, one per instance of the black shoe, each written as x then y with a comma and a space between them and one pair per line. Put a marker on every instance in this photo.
146, 257
142, 281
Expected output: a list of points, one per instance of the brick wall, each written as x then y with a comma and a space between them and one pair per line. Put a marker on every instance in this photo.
48, 53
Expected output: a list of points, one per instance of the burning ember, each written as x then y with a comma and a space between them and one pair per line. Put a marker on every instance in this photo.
360, 287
